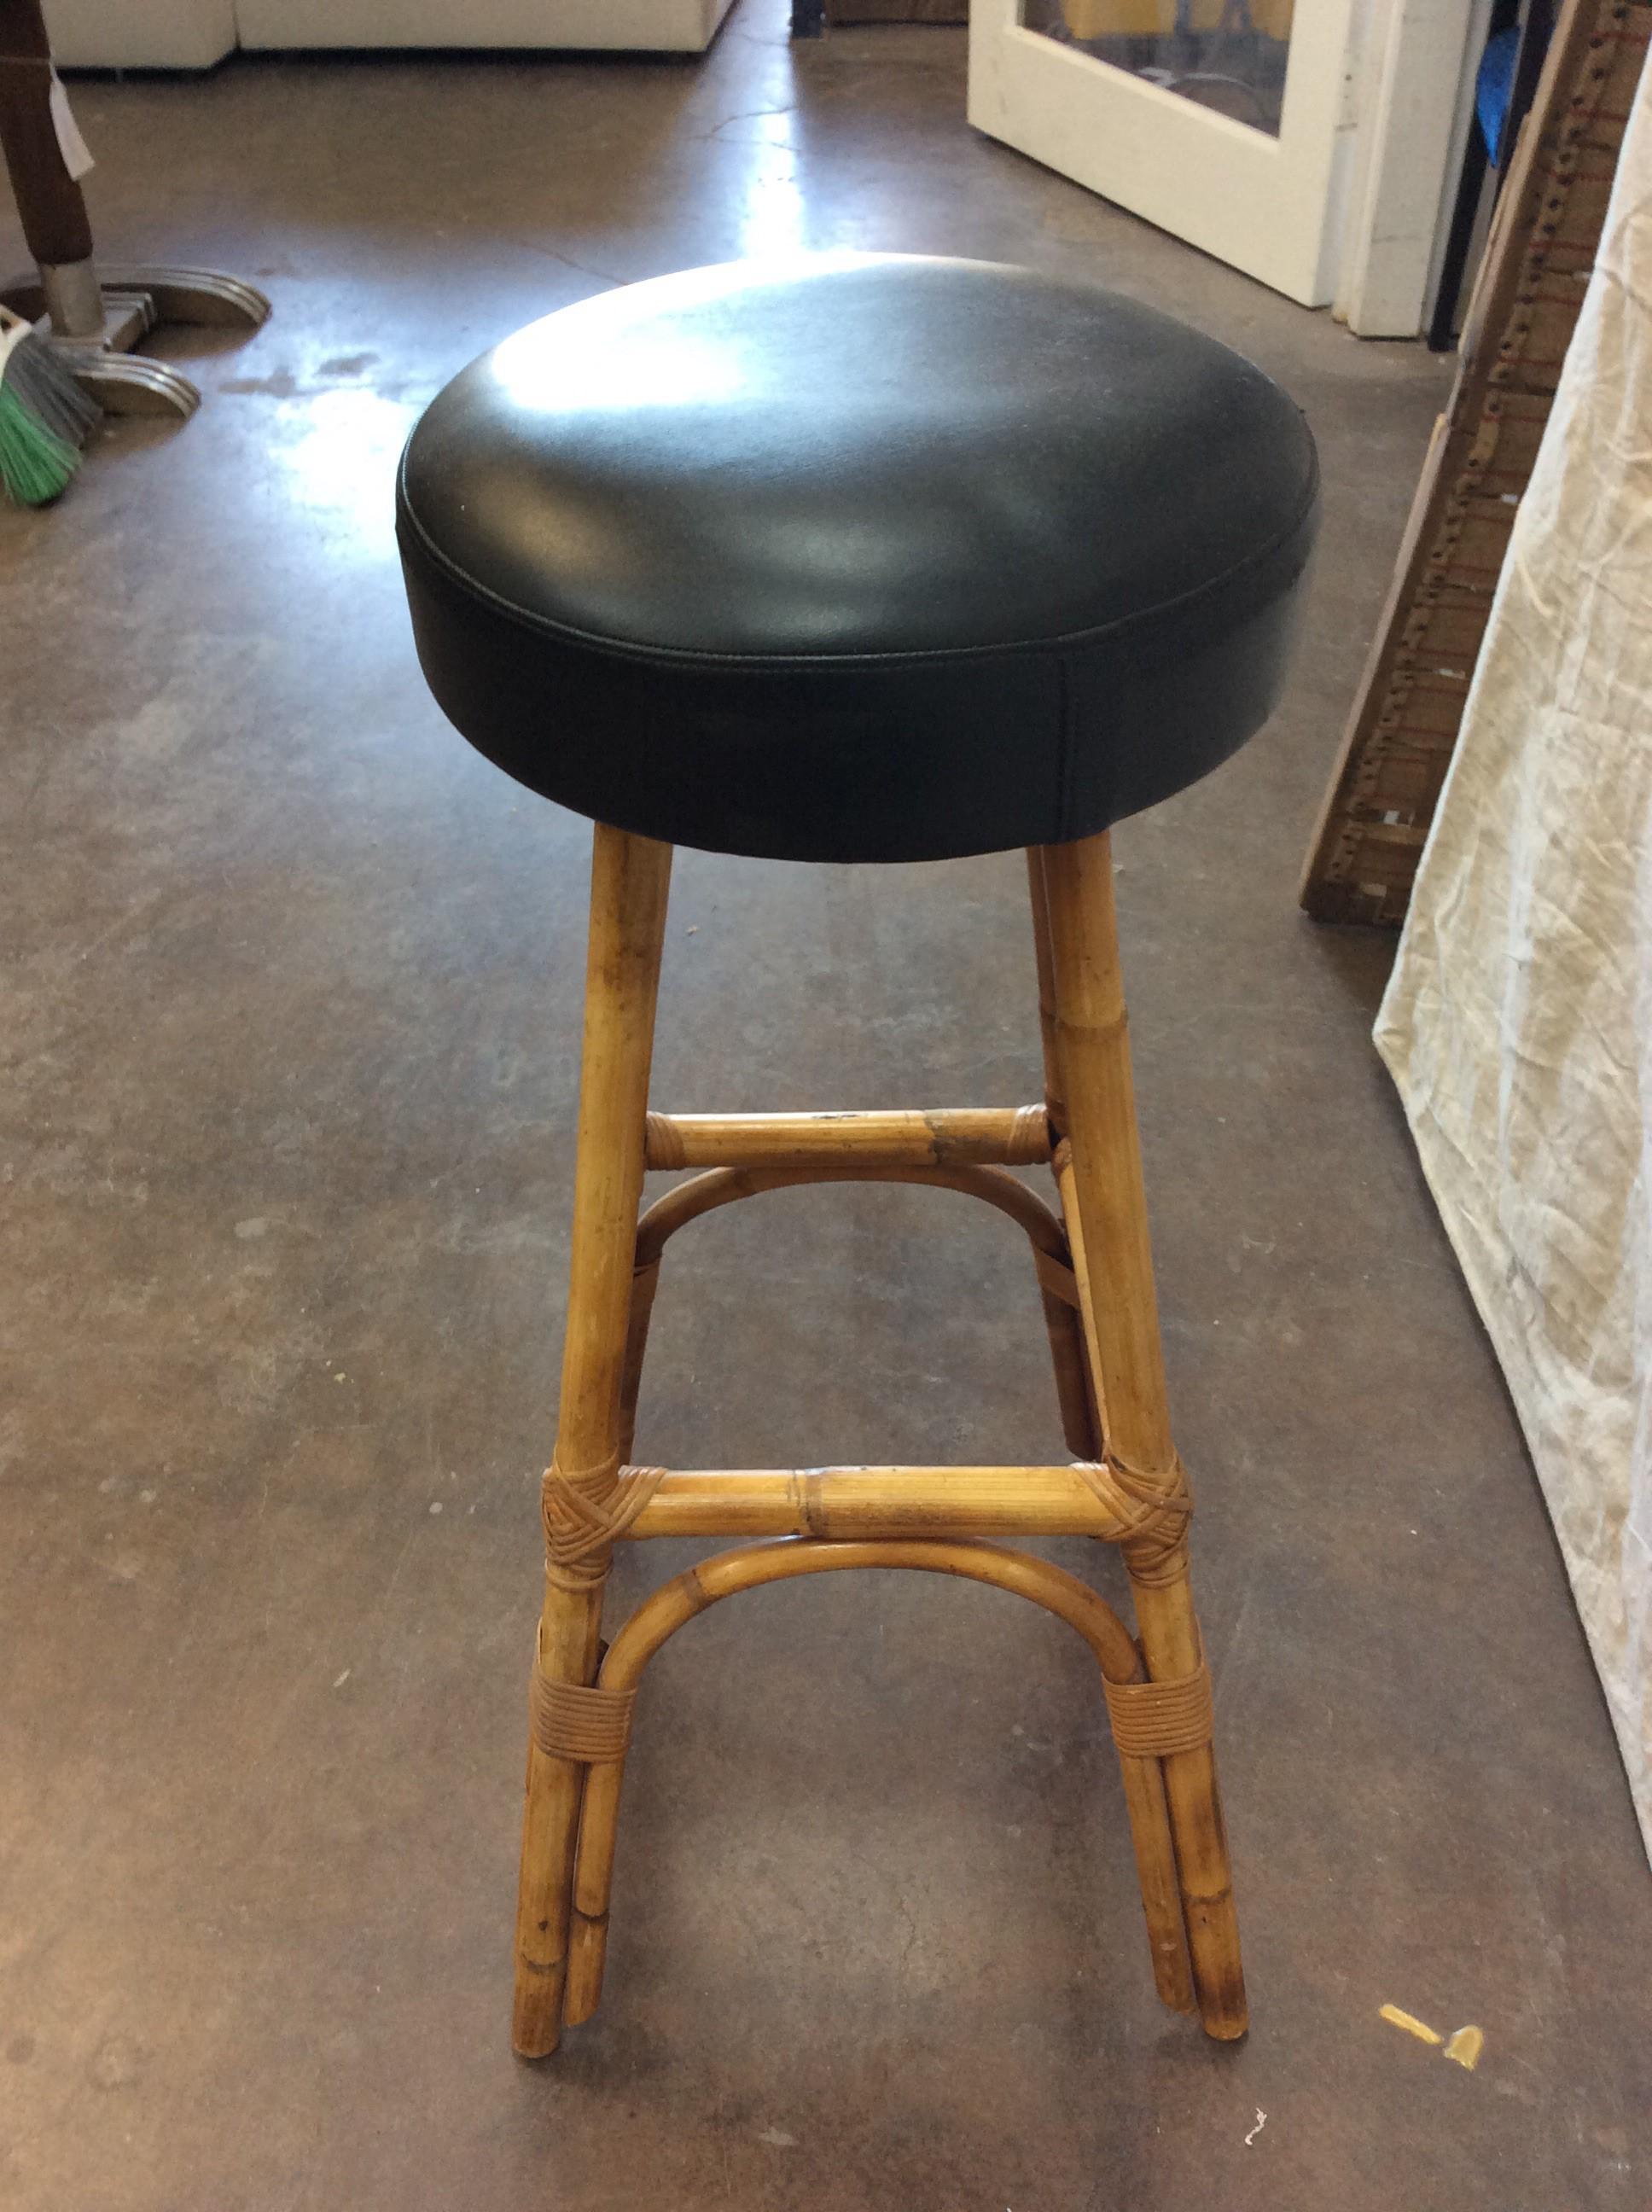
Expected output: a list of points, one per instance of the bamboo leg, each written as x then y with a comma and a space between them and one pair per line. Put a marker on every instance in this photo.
1054, 1096
629, 880
1075, 1384
587, 1947
644, 1284
1156, 1871
1093, 1048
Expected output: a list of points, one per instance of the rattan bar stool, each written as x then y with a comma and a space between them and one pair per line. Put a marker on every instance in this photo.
862, 558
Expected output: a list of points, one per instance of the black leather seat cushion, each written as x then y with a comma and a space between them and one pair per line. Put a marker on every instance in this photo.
861, 557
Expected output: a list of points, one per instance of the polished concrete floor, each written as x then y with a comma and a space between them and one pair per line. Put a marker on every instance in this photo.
288, 1026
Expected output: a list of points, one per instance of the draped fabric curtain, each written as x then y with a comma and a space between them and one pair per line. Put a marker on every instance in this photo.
1518, 1022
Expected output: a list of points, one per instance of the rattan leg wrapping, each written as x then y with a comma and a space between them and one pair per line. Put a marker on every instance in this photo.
570, 1720
1157, 1720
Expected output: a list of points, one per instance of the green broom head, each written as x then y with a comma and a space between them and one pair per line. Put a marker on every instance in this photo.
45, 416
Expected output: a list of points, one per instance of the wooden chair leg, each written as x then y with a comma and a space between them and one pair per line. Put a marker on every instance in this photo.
1092, 1050
629, 881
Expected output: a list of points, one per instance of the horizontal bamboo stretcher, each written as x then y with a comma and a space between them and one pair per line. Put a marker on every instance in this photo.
868, 1502
1010, 1136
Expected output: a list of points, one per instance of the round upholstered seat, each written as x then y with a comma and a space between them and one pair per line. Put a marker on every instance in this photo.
860, 557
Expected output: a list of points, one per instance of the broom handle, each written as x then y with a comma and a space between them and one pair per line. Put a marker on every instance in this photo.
50, 202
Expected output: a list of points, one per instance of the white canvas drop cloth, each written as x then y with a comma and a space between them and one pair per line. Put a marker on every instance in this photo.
1518, 1022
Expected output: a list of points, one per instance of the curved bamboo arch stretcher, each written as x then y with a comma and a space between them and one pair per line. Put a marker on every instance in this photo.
1126, 1485
996, 1186
676, 1603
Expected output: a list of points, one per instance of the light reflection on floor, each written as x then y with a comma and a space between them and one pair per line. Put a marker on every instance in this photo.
341, 452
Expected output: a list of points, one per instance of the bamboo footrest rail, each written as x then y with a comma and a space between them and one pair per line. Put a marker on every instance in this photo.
1011, 1136
892, 1501
587, 1511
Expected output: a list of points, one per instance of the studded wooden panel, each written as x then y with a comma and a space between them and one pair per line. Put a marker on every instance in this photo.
1407, 715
